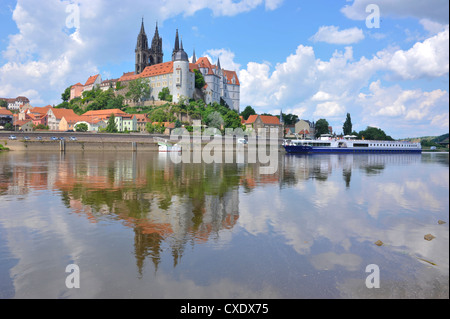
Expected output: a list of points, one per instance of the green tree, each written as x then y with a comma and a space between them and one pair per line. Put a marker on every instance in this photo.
165, 95
119, 86
215, 119
138, 90
347, 127
199, 79
111, 127
3, 103
82, 127
232, 120
158, 115
374, 133
9, 127
322, 127
66, 95
289, 119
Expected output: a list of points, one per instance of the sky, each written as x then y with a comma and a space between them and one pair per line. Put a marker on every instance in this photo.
385, 62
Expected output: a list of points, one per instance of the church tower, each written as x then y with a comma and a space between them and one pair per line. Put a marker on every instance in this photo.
142, 51
181, 73
156, 52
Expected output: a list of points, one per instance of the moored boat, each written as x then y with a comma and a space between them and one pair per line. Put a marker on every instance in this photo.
327, 144
165, 146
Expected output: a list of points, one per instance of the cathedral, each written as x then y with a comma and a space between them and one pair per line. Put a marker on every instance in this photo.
145, 56
178, 74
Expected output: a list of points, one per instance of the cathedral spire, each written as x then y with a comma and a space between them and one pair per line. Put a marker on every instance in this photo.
142, 27
194, 58
177, 43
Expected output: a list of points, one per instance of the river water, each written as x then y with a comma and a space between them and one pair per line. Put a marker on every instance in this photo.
138, 225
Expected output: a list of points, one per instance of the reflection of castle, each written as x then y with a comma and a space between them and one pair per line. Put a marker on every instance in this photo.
164, 204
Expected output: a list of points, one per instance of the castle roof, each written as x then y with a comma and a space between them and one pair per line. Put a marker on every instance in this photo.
157, 69
91, 80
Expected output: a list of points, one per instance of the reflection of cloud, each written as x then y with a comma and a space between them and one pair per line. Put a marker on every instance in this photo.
329, 260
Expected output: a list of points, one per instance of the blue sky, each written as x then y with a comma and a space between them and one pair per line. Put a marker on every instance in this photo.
316, 59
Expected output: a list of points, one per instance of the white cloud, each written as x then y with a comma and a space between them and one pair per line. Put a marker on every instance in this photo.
329, 109
172, 8
332, 34
226, 58
435, 10
395, 106
425, 59
330, 88
431, 26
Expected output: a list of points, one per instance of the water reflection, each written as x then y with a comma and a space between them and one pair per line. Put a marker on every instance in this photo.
316, 214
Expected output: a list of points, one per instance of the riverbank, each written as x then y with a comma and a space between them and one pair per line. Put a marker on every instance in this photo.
103, 142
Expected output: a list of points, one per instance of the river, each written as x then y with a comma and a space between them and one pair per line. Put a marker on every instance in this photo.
138, 225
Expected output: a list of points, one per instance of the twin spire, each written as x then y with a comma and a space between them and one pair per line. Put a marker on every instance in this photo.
154, 54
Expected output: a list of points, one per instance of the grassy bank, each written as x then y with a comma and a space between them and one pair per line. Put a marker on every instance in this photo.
2, 148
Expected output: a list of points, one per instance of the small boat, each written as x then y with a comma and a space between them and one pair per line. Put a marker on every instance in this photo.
328, 144
166, 146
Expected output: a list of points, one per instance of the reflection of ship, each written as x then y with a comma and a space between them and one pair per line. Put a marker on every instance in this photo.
320, 166
165, 146
326, 144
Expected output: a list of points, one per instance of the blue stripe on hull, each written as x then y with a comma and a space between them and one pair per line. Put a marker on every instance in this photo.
299, 149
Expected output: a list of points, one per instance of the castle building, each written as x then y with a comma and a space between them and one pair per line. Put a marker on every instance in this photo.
178, 75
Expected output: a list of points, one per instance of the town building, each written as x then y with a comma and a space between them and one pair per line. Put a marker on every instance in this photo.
124, 121
69, 122
267, 122
6, 117
142, 120
76, 90
305, 129
24, 126
55, 116
15, 104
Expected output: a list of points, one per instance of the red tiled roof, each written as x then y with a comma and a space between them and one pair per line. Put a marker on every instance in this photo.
60, 113
39, 110
78, 84
266, 119
157, 69
76, 118
128, 76
5, 112
229, 75
22, 122
104, 112
166, 124
251, 119
142, 117
91, 80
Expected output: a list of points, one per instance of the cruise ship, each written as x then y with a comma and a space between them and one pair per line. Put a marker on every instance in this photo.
328, 144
